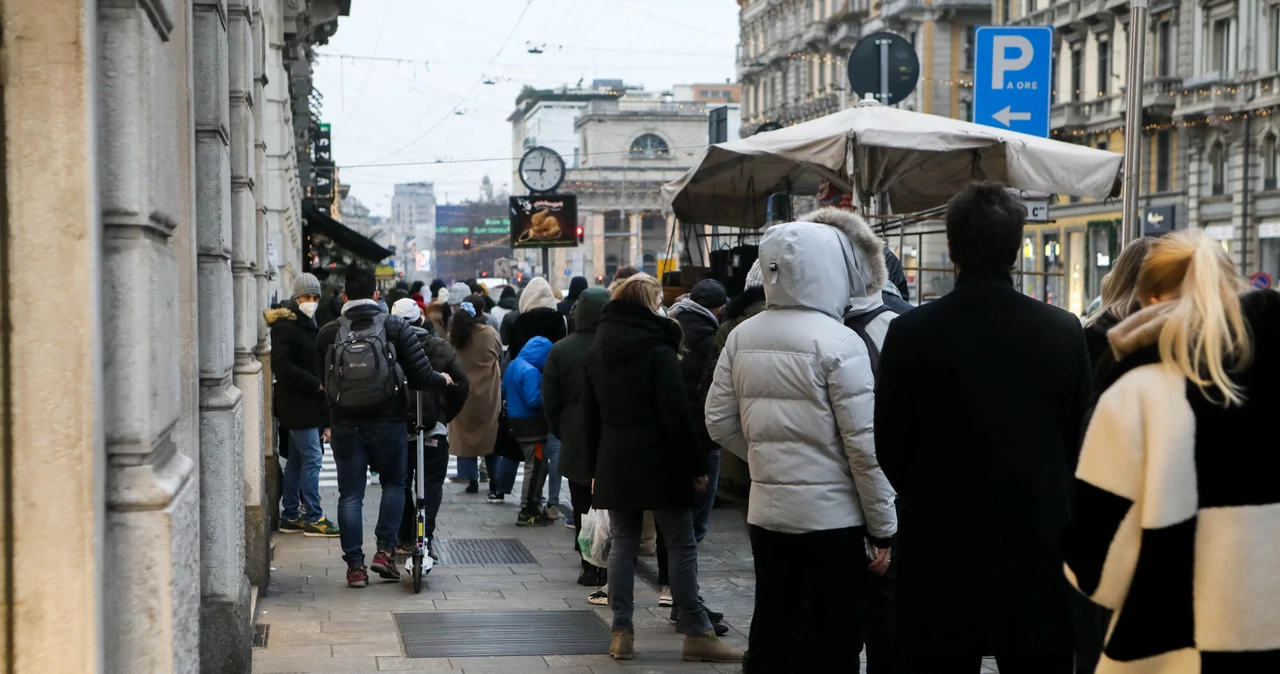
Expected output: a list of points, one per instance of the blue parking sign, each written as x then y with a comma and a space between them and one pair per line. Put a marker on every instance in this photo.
1012, 78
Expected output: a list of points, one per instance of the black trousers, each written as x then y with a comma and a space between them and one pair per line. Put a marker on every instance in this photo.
807, 573
1049, 663
581, 495
435, 466
879, 623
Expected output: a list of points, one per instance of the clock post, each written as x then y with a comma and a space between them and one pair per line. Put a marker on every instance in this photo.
543, 219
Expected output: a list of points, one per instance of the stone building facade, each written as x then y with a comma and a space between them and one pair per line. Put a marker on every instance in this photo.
148, 163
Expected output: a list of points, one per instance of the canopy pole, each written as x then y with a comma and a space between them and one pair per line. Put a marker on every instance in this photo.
1132, 224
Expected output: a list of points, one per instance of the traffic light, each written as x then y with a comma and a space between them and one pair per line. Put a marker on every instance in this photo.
581, 234
466, 243
484, 274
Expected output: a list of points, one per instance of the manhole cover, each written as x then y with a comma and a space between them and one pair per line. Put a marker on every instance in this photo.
461, 634
483, 551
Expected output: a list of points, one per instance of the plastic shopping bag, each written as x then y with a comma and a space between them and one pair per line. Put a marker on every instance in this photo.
595, 539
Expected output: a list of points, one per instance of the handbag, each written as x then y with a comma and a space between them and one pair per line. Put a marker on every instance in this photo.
506, 445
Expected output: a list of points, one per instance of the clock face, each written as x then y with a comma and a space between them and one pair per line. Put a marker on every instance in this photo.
541, 169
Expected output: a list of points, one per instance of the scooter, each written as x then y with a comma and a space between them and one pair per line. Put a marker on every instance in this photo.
420, 563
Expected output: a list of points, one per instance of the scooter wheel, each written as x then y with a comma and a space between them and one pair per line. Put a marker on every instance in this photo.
417, 573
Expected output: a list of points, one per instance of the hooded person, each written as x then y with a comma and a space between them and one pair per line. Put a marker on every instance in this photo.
562, 404
793, 393
522, 386
506, 303
538, 317
576, 286
897, 293
439, 312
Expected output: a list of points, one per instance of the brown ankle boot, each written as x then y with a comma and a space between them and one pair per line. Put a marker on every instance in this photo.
706, 647
623, 646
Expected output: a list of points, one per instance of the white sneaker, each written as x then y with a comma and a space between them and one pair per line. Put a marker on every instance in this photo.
664, 597
599, 597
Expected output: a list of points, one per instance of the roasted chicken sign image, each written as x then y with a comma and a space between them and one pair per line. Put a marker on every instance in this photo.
544, 220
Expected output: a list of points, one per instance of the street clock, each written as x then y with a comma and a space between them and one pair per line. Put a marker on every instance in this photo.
541, 169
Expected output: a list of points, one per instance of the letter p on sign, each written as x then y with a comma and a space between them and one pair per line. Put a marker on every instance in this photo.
1000, 61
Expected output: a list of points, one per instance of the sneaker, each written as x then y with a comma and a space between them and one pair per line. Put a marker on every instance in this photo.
552, 512
321, 528
358, 577
495, 498
530, 518
599, 597
291, 526
473, 487
570, 524
384, 565
665, 599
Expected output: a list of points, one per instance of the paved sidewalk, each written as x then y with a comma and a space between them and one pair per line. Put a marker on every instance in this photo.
318, 624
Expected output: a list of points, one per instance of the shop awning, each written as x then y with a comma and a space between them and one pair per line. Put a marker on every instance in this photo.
349, 239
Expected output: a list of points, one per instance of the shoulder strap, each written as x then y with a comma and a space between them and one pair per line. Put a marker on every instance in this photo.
859, 325
344, 330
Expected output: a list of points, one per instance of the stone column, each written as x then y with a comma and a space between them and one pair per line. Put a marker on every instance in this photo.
244, 269
49, 225
225, 621
144, 169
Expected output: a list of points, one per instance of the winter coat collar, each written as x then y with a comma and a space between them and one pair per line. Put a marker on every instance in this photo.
1000, 277
537, 295
1139, 330
689, 306
643, 329
288, 311
278, 314
868, 247
864, 305
359, 303
588, 309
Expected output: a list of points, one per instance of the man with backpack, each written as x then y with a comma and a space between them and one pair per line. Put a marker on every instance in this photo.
368, 357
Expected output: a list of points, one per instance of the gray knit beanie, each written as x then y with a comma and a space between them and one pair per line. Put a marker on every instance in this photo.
458, 293
305, 284
755, 278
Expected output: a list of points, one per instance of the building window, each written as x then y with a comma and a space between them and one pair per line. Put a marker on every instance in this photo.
1103, 145
970, 39
650, 264
1031, 6
650, 146
1220, 57
966, 110
1275, 38
822, 73
1077, 73
1218, 168
1053, 78
1004, 10
1104, 67
1269, 159
1164, 48
1163, 161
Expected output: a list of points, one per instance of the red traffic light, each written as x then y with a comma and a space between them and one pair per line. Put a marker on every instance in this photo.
581, 234
484, 274
466, 243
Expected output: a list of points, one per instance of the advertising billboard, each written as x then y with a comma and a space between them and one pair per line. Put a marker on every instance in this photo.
544, 221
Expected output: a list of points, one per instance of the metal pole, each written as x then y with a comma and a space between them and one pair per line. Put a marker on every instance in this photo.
1244, 202
1132, 225
546, 263
884, 71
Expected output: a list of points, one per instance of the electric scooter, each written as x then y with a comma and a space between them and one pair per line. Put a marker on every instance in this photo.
419, 563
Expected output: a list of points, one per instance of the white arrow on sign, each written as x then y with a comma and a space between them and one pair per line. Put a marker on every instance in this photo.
1005, 116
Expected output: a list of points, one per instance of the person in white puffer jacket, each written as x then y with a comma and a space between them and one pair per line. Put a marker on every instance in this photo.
794, 395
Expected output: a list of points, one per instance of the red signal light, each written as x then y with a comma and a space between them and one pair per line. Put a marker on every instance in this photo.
581, 234
466, 243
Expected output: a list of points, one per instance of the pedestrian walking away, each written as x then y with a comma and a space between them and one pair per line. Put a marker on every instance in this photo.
1177, 507
1119, 301
643, 449
1006, 381
474, 430
522, 385
432, 411
300, 407
562, 390
576, 286
793, 396
369, 355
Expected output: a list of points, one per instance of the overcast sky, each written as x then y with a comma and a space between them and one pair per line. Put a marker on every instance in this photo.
406, 111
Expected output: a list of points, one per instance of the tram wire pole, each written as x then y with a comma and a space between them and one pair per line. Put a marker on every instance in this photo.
1131, 223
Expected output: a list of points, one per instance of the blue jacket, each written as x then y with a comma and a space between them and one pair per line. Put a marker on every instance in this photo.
522, 382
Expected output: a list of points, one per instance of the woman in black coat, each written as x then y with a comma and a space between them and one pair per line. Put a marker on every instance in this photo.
643, 450
1118, 303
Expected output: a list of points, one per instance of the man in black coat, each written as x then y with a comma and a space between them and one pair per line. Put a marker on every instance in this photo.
374, 438
301, 408
980, 399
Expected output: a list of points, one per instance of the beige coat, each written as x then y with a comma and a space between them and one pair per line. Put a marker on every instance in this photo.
475, 430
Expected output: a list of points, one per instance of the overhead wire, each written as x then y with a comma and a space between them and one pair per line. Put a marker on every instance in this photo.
382, 22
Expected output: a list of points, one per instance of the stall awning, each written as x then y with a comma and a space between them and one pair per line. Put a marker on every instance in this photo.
347, 238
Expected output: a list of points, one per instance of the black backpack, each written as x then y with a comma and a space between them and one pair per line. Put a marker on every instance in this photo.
361, 373
859, 325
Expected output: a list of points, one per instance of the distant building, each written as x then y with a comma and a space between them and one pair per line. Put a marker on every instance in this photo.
712, 94
355, 214
486, 223
412, 228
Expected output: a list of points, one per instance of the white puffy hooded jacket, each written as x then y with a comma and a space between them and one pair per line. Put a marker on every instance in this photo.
794, 394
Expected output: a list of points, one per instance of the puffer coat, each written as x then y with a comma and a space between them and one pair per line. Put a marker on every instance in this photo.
299, 400
793, 393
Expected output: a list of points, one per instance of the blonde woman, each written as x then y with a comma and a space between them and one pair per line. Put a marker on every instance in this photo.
1177, 501
1118, 302
642, 448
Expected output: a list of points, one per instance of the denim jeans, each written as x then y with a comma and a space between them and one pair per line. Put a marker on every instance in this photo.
703, 502
468, 468
502, 474
625, 526
302, 477
357, 445
435, 466
552, 450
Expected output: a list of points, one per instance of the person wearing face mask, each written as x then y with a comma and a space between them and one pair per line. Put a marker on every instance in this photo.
301, 408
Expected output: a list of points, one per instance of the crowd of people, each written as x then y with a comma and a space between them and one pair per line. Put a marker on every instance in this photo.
927, 483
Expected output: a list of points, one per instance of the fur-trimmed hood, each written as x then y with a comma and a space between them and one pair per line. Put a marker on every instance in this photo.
279, 314
868, 247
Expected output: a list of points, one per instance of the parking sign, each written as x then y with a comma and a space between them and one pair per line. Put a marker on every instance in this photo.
1012, 78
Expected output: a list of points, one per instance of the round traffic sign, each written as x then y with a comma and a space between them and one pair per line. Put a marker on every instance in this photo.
1260, 280
865, 68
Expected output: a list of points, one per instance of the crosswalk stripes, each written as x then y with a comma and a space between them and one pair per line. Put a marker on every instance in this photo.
329, 470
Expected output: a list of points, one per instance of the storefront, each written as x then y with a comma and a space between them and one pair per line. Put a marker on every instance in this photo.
1063, 262
1269, 248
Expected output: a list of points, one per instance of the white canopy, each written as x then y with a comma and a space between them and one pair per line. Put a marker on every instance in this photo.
919, 160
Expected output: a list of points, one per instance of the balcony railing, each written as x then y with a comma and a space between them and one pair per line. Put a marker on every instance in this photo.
1207, 94
1070, 115
1161, 93
815, 32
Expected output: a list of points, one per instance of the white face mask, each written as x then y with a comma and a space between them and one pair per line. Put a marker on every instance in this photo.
308, 308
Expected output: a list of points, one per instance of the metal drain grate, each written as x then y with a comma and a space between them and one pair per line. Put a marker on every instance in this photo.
483, 551
261, 633
461, 634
